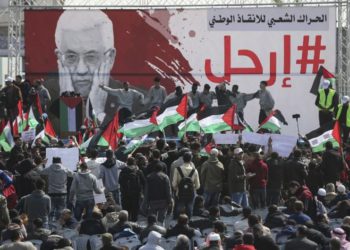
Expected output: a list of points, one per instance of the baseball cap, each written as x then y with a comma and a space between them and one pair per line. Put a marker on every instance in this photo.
341, 188
321, 192
9, 79
238, 151
214, 237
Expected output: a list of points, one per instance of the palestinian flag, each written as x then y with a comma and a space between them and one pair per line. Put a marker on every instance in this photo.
217, 119
318, 138
190, 125
49, 129
207, 148
84, 146
71, 113
140, 127
110, 134
273, 122
20, 117
134, 144
322, 74
30, 120
38, 104
46, 139
173, 114
6, 138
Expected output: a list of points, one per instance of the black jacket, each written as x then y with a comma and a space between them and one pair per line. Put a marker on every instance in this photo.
275, 174
332, 165
179, 229
295, 170
158, 187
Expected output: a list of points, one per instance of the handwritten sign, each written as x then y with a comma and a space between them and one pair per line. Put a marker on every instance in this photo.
29, 135
227, 138
69, 156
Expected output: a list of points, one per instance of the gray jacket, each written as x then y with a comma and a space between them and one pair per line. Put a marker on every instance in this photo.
57, 178
266, 101
241, 100
83, 187
109, 173
37, 205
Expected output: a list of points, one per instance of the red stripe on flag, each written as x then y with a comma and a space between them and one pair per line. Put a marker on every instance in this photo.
182, 107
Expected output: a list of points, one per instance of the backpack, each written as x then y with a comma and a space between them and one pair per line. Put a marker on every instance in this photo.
133, 183
186, 186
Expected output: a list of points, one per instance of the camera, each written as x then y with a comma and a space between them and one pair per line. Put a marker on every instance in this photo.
296, 116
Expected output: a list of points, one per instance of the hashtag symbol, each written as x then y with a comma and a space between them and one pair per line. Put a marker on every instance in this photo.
316, 61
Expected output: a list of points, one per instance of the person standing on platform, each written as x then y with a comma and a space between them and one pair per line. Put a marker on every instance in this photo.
343, 116
156, 94
266, 101
194, 96
126, 98
326, 101
206, 97
240, 99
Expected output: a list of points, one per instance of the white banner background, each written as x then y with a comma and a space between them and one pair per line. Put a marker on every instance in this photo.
198, 44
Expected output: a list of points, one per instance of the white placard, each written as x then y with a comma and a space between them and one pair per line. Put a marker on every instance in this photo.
100, 198
69, 156
283, 144
227, 138
255, 138
29, 135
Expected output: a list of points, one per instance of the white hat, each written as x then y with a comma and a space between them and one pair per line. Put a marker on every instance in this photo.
214, 237
214, 152
237, 151
341, 188
326, 84
9, 79
321, 192
345, 99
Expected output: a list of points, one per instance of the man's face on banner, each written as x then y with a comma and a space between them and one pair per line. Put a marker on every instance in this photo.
82, 53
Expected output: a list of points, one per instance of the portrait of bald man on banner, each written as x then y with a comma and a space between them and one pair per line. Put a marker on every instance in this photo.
85, 56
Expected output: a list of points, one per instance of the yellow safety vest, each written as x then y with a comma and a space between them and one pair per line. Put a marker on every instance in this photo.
340, 108
326, 102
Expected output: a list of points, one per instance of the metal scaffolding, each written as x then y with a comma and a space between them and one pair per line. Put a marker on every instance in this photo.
16, 9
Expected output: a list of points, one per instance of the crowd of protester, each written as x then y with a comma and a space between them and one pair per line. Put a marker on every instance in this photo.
171, 194
231, 197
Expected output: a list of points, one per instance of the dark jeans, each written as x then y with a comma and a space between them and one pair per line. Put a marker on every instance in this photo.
132, 205
211, 198
262, 116
345, 131
258, 198
184, 207
159, 209
88, 205
273, 196
58, 203
124, 115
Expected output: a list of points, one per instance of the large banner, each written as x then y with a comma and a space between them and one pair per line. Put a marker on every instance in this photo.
77, 50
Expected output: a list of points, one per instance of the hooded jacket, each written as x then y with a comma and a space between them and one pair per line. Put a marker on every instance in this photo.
37, 205
213, 175
57, 176
153, 242
109, 173
83, 186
